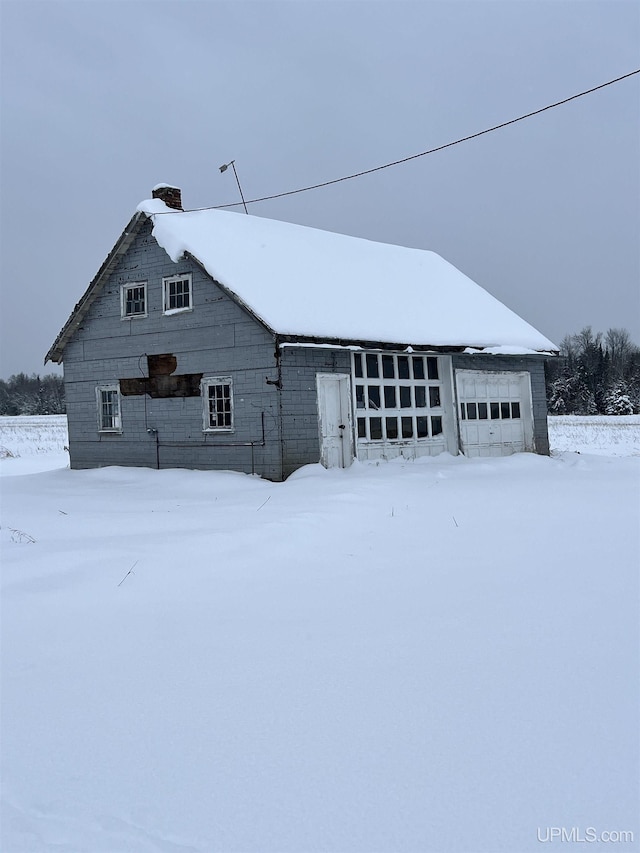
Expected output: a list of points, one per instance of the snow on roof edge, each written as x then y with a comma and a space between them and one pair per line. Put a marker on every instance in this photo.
292, 277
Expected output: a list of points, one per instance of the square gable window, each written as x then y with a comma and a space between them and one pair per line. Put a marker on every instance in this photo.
133, 300
177, 294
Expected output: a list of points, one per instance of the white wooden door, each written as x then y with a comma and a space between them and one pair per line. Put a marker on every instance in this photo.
334, 414
494, 412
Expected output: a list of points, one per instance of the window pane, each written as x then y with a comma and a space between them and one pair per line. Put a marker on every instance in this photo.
219, 405
432, 368
421, 396
482, 411
403, 367
405, 397
134, 300
422, 427
463, 413
389, 397
178, 294
359, 396
387, 366
504, 410
357, 364
495, 411
418, 367
434, 396
407, 427
392, 427
372, 366
109, 409
375, 428
471, 411
515, 410
374, 396
362, 427
436, 425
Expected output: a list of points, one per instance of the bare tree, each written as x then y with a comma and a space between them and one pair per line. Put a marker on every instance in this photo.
620, 348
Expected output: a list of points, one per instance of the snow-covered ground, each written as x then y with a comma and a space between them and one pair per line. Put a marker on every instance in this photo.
599, 434
29, 444
438, 656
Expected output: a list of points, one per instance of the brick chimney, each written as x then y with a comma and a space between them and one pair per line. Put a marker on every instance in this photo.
171, 196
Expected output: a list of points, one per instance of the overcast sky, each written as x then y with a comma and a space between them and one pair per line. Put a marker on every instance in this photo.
103, 100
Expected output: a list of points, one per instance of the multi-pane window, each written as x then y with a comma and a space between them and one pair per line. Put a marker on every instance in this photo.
499, 410
397, 397
177, 293
218, 402
133, 299
108, 401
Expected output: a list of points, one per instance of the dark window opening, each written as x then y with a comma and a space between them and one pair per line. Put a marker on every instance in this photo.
372, 366
387, 366
405, 397
495, 411
362, 427
421, 396
472, 411
359, 396
505, 410
373, 392
403, 367
375, 427
392, 427
432, 368
515, 410
418, 367
423, 431
436, 425
389, 397
407, 427
357, 364
482, 411
434, 396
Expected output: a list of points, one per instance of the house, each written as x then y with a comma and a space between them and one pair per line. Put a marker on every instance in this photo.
215, 340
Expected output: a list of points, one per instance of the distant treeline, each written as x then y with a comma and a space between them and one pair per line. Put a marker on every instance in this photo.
32, 395
596, 374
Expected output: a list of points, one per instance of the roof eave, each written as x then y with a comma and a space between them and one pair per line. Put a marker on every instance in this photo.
394, 346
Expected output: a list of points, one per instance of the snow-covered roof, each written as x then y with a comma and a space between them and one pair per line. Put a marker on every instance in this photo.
312, 283
324, 287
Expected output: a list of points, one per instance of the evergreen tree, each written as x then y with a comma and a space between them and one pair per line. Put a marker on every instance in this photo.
595, 374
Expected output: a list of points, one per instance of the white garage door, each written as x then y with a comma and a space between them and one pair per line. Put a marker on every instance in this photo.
494, 411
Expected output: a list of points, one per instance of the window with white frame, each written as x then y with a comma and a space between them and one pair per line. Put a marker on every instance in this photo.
133, 299
217, 392
398, 398
177, 294
108, 401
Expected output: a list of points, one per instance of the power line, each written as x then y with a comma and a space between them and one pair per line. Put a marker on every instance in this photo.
430, 150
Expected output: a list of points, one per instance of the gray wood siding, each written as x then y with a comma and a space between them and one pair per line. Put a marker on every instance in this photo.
216, 338
300, 433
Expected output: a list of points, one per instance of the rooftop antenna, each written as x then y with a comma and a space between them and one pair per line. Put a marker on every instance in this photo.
224, 168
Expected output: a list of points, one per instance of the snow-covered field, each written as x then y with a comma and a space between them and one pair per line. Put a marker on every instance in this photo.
33, 443
439, 656
599, 434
